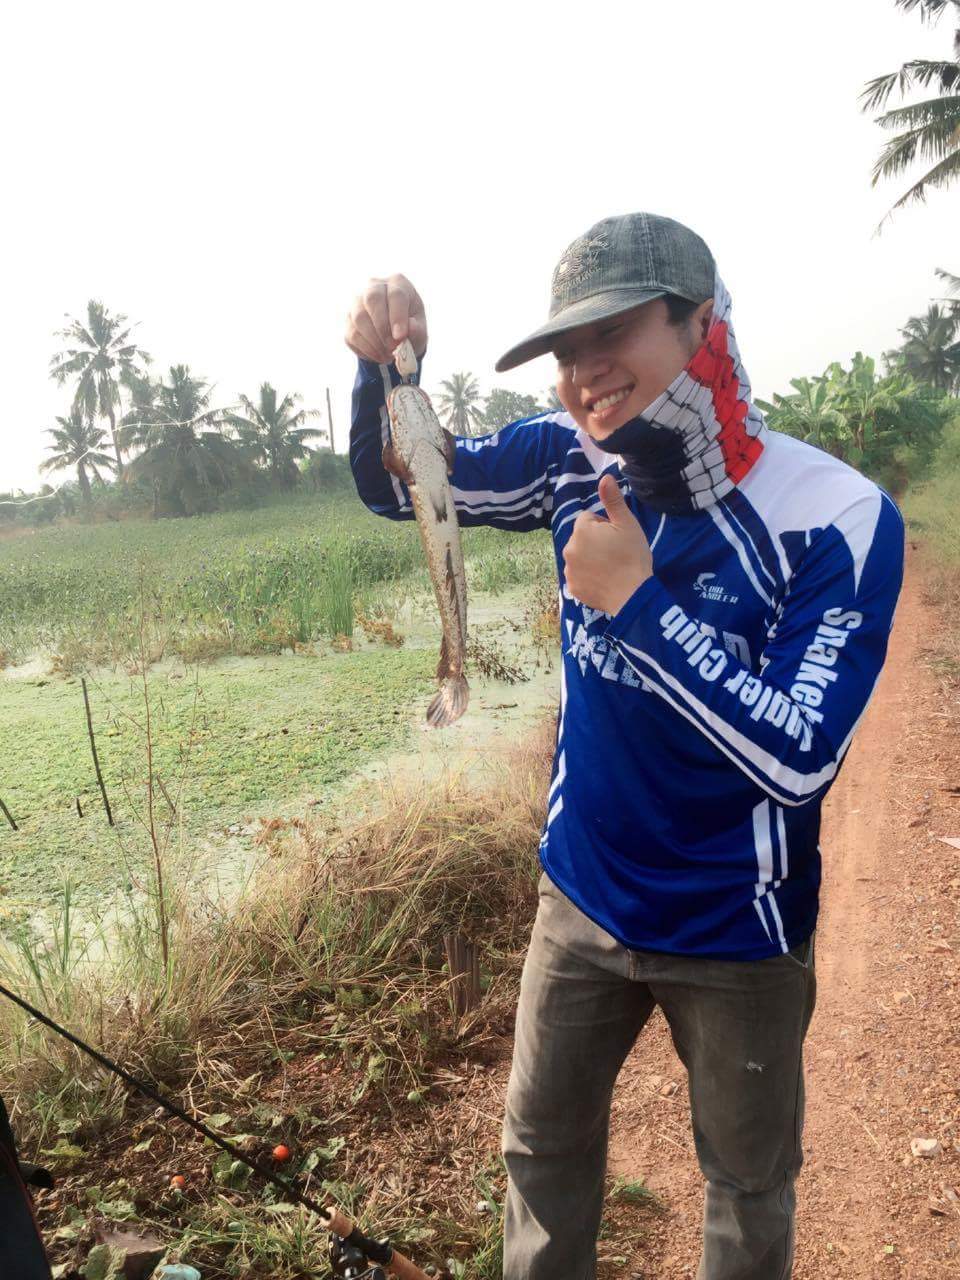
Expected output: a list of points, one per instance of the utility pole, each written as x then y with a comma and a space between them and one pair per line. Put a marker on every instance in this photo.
330, 421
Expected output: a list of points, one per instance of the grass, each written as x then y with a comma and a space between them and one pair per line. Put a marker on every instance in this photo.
932, 509
324, 984
256, 732
234, 582
251, 624
315, 1012
313, 1004
932, 513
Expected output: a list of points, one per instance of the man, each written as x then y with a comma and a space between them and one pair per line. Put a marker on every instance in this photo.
727, 595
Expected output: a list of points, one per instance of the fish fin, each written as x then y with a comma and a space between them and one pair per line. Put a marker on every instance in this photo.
449, 449
395, 464
449, 703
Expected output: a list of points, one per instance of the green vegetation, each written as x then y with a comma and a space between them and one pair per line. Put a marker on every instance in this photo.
889, 427
930, 352
504, 406
933, 508
316, 1011
231, 582
928, 130
459, 406
77, 442
100, 354
459, 403
184, 454
293, 611
315, 1002
273, 434
249, 735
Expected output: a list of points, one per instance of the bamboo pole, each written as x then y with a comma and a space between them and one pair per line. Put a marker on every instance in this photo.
93, 748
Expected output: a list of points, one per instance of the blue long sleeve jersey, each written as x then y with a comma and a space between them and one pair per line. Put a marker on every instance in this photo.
700, 728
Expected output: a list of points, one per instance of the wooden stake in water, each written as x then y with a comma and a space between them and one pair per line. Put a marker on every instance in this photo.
93, 748
9, 816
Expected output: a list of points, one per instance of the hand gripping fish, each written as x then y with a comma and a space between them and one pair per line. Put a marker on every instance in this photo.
421, 454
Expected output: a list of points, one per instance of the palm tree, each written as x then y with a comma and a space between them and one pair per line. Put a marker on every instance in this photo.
272, 432
552, 400
460, 401
930, 350
929, 129
99, 354
77, 442
184, 451
953, 287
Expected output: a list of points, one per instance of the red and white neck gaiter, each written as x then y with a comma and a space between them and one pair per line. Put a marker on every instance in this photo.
701, 436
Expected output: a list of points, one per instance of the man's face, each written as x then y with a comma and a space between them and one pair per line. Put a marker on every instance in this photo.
611, 370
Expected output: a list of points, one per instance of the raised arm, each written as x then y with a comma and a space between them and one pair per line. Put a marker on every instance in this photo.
504, 479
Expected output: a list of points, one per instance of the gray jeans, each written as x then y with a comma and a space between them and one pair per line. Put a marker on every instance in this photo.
738, 1027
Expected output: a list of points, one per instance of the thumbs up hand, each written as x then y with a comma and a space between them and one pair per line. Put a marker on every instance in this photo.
607, 557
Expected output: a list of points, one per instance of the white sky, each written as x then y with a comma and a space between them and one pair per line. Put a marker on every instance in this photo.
230, 174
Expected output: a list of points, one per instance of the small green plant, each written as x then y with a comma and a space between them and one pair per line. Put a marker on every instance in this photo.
632, 1191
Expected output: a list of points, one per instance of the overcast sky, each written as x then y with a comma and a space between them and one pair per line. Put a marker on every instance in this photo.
230, 174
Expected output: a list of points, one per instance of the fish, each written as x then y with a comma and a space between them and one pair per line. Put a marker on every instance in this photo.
421, 453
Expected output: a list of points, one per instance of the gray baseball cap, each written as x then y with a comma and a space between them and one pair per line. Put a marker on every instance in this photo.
617, 265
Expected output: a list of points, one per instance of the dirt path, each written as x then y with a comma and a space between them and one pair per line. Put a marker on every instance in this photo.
883, 1053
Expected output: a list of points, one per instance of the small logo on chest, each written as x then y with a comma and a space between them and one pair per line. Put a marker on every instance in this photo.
708, 589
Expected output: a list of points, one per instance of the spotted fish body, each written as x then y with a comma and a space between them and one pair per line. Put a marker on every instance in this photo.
421, 454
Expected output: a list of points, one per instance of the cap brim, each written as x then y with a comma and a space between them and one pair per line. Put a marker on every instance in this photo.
599, 307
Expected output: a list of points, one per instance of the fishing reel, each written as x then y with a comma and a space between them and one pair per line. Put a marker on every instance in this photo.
350, 1263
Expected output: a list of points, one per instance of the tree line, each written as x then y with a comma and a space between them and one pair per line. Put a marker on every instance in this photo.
134, 439
888, 424
163, 437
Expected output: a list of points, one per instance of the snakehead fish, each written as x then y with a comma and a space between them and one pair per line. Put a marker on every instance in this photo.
421, 453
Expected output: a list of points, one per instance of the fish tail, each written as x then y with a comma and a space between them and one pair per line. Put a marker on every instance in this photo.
449, 703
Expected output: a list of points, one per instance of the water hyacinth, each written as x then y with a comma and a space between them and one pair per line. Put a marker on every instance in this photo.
290, 573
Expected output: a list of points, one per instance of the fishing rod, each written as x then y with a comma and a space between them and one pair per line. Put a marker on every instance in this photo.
351, 1252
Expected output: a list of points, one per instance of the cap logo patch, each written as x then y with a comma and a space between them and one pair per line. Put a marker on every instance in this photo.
580, 261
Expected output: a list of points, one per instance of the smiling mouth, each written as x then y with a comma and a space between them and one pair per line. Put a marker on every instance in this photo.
604, 406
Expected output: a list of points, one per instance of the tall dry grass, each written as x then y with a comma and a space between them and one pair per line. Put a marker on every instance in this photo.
339, 934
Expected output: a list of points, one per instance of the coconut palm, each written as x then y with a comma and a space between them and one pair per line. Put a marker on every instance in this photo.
77, 442
930, 350
272, 433
953, 288
184, 452
99, 354
460, 401
928, 130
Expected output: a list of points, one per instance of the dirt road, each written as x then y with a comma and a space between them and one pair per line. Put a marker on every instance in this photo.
883, 1052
